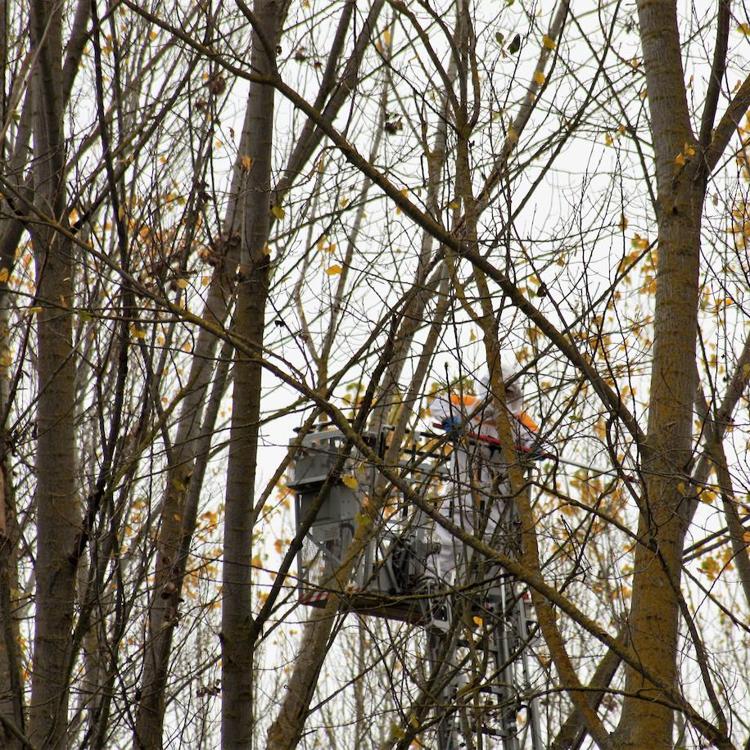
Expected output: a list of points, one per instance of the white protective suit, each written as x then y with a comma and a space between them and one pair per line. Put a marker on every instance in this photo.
477, 488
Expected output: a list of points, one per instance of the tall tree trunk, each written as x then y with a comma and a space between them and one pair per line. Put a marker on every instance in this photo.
237, 657
11, 687
163, 612
11, 692
646, 721
175, 530
57, 507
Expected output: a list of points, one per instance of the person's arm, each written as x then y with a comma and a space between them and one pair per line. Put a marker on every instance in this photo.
450, 413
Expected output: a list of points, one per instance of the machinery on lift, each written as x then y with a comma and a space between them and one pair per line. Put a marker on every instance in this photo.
392, 580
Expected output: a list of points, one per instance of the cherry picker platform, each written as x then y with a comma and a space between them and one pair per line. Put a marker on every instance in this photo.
393, 578
394, 562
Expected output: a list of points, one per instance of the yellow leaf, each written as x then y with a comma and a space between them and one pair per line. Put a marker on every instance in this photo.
548, 42
746, 371
135, 331
256, 562
623, 223
649, 287
333, 270
349, 481
539, 78
178, 484
744, 28
152, 35
607, 139
181, 283
512, 135
405, 193
4, 273
246, 162
278, 212
35, 309
711, 567
386, 37
478, 621
211, 517
679, 160
397, 732
638, 242
707, 496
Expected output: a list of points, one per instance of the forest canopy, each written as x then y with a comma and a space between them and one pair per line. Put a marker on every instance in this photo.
239, 241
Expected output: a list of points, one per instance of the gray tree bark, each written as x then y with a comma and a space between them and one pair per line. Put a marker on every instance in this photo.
11, 692
249, 323
57, 506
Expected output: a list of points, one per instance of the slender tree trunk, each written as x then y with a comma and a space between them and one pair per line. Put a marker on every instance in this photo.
646, 721
57, 507
252, 293
163, 613
11, 692
572, 732
181, 477
11, 688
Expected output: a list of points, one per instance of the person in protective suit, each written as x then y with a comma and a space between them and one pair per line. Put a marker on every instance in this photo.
478, 498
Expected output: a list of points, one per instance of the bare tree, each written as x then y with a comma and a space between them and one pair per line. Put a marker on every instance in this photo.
221, 223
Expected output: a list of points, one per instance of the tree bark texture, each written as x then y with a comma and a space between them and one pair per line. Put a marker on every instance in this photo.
252, 292
163, 612
646, 719
57, 506
11, 687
